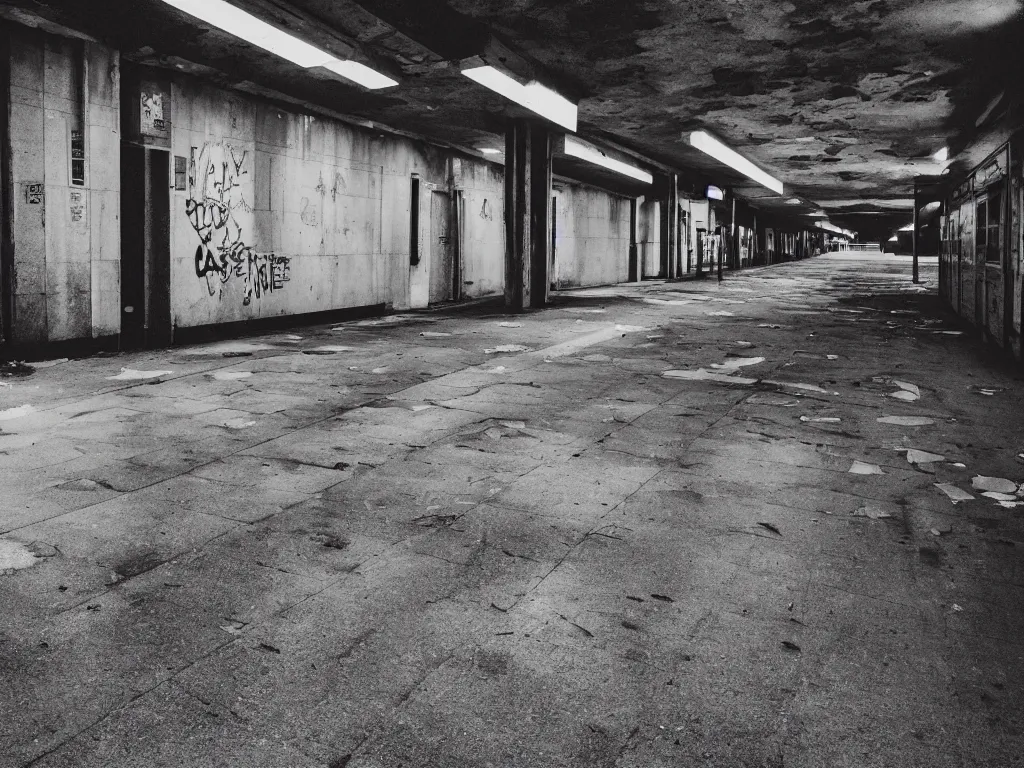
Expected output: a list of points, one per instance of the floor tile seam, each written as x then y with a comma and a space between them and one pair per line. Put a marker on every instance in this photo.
108, 589
125, 704
142, 383
191, 470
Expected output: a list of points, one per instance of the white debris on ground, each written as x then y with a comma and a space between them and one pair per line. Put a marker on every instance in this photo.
506, 348
863, 468
737, 362
15, 556
906, 421
956, 495
704, 375
231, 375
130, 374
997, 484
915, 456
16, 413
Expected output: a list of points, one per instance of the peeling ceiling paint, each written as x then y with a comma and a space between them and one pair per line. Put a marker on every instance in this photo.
844, 101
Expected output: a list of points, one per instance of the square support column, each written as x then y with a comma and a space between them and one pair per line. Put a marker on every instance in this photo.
669, 227
527, 214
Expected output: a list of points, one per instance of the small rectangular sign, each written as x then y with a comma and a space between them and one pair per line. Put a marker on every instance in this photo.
35, 193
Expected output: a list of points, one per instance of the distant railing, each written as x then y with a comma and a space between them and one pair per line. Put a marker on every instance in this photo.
857, 247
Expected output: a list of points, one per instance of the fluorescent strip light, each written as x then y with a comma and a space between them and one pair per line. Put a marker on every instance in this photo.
574, 148
709, 145
360, 74
490, 151
237, 22
534, 96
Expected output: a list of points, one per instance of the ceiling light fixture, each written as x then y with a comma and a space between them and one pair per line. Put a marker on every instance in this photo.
534, 96
361, 74
490, 151
709, 145
576, 148
239, 23
833, 228
714, 193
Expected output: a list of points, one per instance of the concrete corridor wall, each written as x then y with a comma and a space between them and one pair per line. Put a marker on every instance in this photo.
65, 178
287, 213
272, 212
591, 237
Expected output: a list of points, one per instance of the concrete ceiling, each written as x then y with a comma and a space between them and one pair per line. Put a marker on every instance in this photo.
844, 101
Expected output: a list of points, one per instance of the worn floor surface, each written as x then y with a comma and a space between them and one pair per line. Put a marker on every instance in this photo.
380, 544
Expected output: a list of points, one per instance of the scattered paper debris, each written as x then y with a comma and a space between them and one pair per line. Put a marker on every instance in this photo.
999, 496
958, 465
48, 363
511, 325
908, 397
130, 374
906, 421
16, 413
822, 419
334, 348
506, 348
798, 385
237, 423
720, 313
744, 344
957, 608
703, 375
229, 348
863, 468
769, 325
777, 400
629, 328
831, 357
950, 333
433, 334
956, 495
231, 375
737, 362
15, 556
873, 513
997, 484
915, 456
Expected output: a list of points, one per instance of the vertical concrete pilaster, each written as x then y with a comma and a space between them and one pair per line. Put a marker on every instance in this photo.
527, 214
669, 227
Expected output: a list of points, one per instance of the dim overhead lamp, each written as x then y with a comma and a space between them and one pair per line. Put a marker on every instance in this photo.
534, 96
714, 193
709, 145
243, 25
578, 149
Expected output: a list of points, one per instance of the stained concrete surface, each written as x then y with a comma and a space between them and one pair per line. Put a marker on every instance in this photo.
384, 548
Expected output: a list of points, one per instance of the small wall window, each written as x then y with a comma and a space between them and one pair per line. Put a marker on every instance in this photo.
414, 223
995, 220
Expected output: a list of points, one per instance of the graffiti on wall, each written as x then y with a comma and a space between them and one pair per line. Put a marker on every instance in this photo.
216, 201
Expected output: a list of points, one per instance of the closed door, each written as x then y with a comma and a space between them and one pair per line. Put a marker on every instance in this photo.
145, 248
441, 272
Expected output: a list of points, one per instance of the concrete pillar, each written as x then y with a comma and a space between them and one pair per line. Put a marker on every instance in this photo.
917, 277
527, 214
669, 227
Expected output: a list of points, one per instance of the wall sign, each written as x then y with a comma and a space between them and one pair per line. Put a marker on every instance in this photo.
35, 194
77, 159
77, 205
